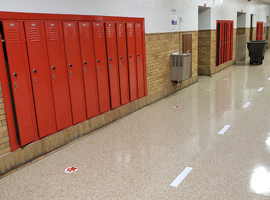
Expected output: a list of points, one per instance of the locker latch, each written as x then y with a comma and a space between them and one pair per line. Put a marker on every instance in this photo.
35, 80
98, 68
120, 64
15, 85
53, 77
15, 75
137, 61
110, 66
70, 74
85, 71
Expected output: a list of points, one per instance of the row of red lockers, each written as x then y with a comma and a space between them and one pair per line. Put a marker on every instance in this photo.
225, 41
65, 72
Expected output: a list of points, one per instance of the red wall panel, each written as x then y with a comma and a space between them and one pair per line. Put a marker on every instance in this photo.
73, 59
101, 64
20, 80
122, 60
89, 68
58, 74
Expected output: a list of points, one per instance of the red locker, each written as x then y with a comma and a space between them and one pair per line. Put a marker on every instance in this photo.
139, 51
89, 68
112, 64
101, 64
259, 31
58, 74
20, 80
76, 86
131, 44
122, 60
39, 70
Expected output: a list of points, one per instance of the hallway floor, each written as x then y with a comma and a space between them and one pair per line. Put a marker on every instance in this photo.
141, 155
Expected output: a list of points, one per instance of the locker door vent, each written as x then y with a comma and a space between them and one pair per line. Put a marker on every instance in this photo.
120, 34
98, 32
70, 33
103, 104
138, 31
45, 124
26, 131
130, 31
110, 31
13, 36
78, 112
62, 116
34, 35
85, 33
53, 33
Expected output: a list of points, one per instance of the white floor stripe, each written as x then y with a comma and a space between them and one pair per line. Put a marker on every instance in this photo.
260, 89
246, 105
181, 177
225, 128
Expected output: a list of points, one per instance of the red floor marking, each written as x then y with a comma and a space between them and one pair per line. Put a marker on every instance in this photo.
71, 169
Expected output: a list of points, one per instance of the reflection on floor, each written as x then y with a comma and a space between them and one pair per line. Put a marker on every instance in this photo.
140, 156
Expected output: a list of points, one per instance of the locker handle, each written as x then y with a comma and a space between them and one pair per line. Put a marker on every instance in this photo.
85, 71
120, 57
70, 74
98, 68
35, 80
85, 63
53, 68
53, 77
120, 64
130, 62
137, 61
98, 61
110, 66
70, 65
35, 71
15, 75
15, 85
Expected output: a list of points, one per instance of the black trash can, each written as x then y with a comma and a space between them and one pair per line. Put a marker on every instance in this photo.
256, 51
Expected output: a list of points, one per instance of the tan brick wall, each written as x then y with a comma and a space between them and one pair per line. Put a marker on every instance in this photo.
4, 138
206, 51
159, 48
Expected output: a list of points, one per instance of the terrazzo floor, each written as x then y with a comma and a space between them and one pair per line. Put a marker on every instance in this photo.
142, 154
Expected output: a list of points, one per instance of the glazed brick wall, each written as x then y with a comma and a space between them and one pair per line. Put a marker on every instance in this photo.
159, 48
4, 138
206, 51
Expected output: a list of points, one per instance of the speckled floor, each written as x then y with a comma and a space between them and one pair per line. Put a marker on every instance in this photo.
141, 155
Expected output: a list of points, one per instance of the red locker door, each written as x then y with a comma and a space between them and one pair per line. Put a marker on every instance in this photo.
89, 68
131, 44
228, 42
101, 63
222, 43
38, 60
122, 60
112, 64
58, 74
139, 51
20, 80
72, 50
